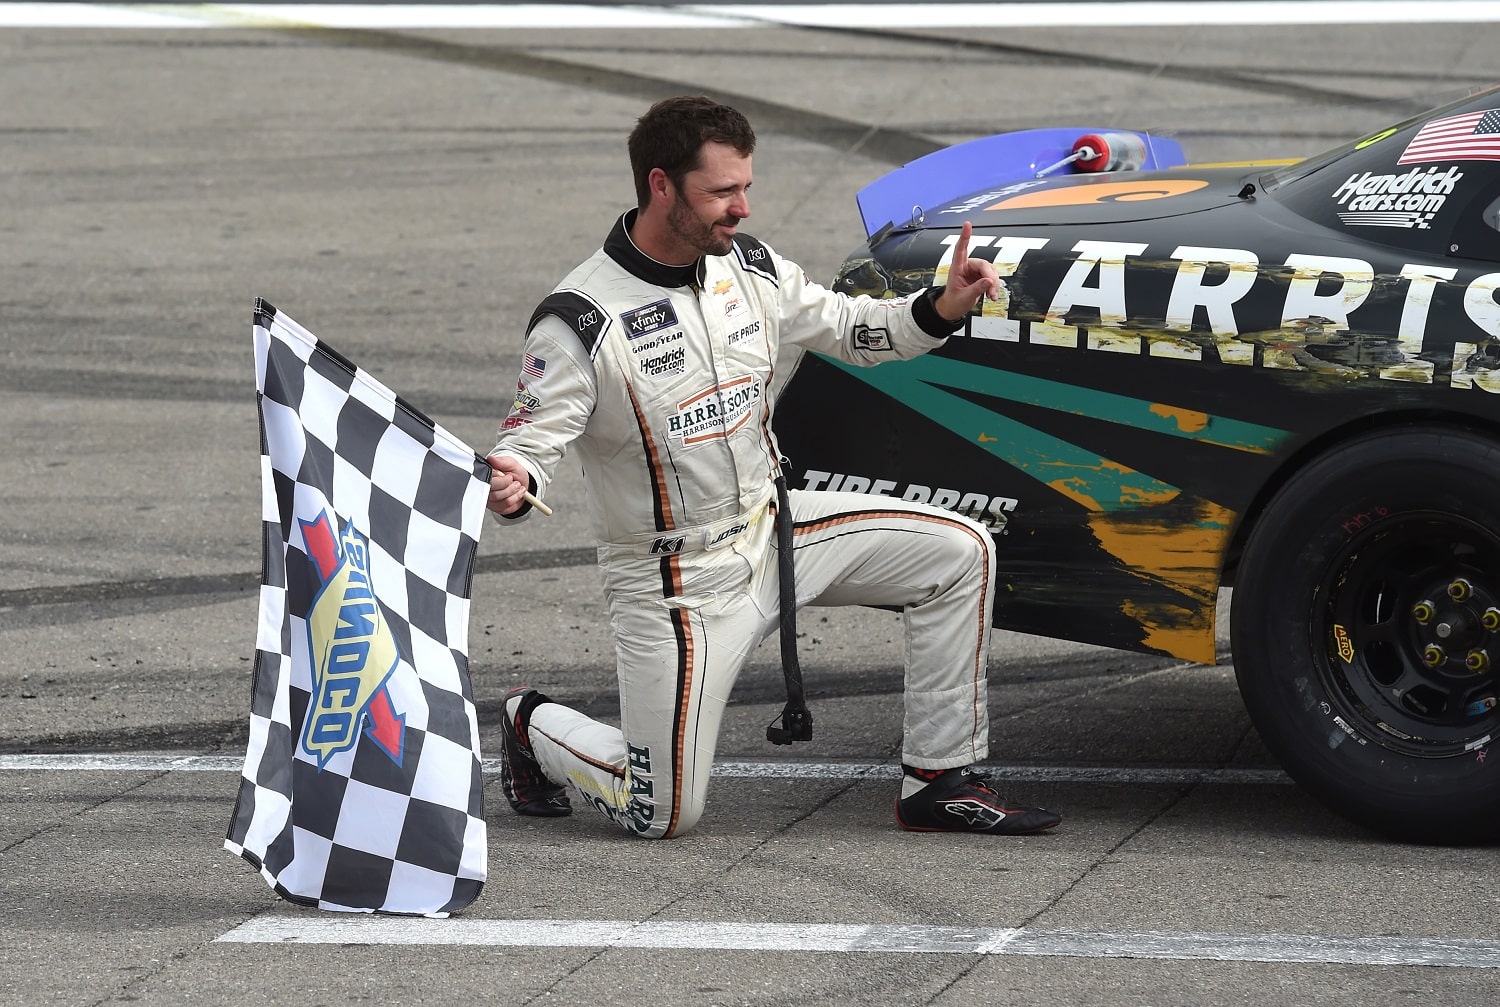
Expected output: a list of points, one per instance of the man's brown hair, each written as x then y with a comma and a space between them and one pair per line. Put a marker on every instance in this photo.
672, 133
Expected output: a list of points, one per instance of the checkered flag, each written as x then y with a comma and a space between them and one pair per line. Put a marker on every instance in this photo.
362, 787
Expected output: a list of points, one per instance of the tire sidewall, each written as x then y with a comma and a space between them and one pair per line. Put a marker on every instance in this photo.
1279, 653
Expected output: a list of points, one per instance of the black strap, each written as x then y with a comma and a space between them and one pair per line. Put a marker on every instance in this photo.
795, 719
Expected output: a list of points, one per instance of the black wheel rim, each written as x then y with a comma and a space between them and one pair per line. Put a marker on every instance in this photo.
1409, 635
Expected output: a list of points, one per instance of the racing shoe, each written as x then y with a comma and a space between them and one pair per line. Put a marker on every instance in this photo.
521, 777
961, 800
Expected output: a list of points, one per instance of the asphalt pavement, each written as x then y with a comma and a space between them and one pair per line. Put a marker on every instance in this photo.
409, 195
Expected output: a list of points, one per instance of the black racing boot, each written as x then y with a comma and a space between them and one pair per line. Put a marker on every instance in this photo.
961, 800
521, 777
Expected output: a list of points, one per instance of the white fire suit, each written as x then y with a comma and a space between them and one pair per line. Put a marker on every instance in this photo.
660, 376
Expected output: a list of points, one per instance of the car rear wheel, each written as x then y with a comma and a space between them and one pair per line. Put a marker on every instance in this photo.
1366, 632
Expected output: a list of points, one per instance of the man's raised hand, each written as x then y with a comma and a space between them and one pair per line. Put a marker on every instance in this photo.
969, 280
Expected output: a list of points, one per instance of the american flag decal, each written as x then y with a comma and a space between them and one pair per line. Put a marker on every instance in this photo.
1473, 136
532, 365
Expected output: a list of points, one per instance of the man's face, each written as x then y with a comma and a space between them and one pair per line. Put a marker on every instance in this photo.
711, 201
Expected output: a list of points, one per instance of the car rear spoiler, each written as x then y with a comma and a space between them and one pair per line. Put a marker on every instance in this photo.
899, 198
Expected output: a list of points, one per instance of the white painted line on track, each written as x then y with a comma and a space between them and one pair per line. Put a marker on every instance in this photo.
545, 16
836, 937
743, 770
1032, 774
1109, 14
67, 762
79, 15
1059, 13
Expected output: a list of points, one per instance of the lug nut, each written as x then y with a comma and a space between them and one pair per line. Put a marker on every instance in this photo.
1477, 660
1433, 655
1491, 619
1423, 612
1460, 589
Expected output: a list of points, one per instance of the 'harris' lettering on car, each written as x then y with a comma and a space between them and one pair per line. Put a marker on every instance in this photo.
1319, 294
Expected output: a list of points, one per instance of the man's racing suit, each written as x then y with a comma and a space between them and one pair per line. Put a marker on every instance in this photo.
661, 376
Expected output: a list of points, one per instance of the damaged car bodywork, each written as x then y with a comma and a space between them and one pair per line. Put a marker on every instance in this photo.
1277, 378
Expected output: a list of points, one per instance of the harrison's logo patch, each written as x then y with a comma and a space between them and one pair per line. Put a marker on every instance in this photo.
644, 321
352, 650
715, 412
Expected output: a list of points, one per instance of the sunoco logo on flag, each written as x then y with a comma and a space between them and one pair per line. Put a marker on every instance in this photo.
352, 648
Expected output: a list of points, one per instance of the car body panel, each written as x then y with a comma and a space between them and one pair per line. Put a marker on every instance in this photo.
1169, 346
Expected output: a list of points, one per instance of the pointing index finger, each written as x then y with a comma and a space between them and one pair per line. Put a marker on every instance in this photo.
961, 248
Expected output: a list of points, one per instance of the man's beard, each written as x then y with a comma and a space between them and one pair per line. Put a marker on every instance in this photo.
687, 226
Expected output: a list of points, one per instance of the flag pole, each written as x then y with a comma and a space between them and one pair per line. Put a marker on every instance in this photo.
538, 504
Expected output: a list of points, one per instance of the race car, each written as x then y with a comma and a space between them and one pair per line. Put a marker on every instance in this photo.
1283, 379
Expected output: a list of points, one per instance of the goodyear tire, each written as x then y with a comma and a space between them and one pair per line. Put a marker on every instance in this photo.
1366, 632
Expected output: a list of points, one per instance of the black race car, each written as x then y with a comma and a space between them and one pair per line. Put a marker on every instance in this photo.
1284, 379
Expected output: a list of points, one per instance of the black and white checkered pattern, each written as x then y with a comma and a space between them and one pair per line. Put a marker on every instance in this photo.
361, 832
